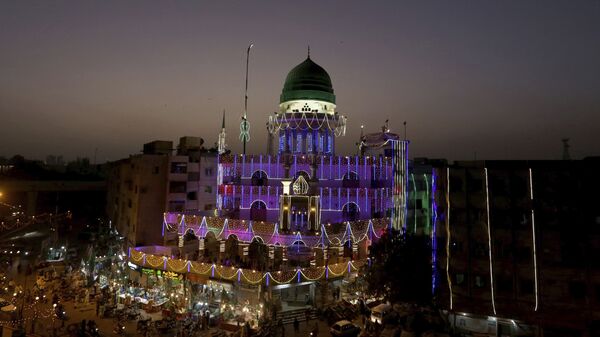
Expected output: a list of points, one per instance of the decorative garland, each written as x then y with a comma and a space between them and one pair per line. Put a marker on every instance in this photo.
245, 232
280, 121
248, 276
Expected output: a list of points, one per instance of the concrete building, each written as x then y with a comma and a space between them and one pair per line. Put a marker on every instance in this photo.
143, 187
516, 242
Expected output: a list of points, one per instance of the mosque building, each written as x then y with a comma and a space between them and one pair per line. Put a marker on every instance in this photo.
292, 223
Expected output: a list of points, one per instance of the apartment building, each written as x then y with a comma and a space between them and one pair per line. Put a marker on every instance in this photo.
515, 245
162, 179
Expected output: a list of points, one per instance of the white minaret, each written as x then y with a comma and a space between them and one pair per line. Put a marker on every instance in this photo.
222, 146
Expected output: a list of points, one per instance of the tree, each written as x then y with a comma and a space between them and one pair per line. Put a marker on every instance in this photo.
400, 268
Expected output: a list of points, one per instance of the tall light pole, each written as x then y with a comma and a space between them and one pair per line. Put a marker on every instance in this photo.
245, 125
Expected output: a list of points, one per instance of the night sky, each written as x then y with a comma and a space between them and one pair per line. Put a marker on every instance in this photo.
491, 79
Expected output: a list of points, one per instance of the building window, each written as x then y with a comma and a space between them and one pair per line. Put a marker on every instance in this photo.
207, 189
577, 290
281, 142
479, 281
299, 142
309, 142
480, 250
208, 171
192, 196
208, 207
503, 251
193, 176
129, 203
321, 140
176, 206
178, 167
459, 278
526, 287
156, 170
177, 187
524, 254
456, 247
504, 284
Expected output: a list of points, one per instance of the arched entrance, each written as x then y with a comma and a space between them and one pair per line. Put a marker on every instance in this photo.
211, 248
258, 211
231, 250
258, 254
299, 254
348, 249
350, 212
259, 178
350, 179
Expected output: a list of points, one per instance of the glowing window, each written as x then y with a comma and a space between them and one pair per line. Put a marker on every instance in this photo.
299, 142
321, 140
281, 142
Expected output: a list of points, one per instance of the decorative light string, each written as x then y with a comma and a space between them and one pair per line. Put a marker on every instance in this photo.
489, 230
448, 235
248, 231
246, 275
533, 240
280, 121
415, 197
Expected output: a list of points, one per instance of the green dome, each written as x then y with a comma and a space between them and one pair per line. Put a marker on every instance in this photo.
307, 80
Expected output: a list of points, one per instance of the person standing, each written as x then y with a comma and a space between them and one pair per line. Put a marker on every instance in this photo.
296, 325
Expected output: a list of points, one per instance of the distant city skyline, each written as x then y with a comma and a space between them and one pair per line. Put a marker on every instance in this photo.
493, 80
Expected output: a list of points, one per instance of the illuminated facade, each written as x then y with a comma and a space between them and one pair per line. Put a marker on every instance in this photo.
334, 189
298, 217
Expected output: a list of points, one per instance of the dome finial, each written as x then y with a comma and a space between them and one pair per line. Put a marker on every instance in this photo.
308, 51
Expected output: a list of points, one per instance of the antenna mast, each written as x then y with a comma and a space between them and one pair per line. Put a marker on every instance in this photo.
245, 125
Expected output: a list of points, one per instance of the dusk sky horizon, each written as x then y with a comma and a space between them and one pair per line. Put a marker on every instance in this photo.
491, 80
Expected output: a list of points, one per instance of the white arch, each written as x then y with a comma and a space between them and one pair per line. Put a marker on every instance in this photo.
296, 174
257, 171
234, 235
258, 200
346, 176
214, 236
350, 202
258, 239
299, 241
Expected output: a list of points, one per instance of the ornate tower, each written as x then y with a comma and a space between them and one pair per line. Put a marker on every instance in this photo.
307, 122
221, 145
